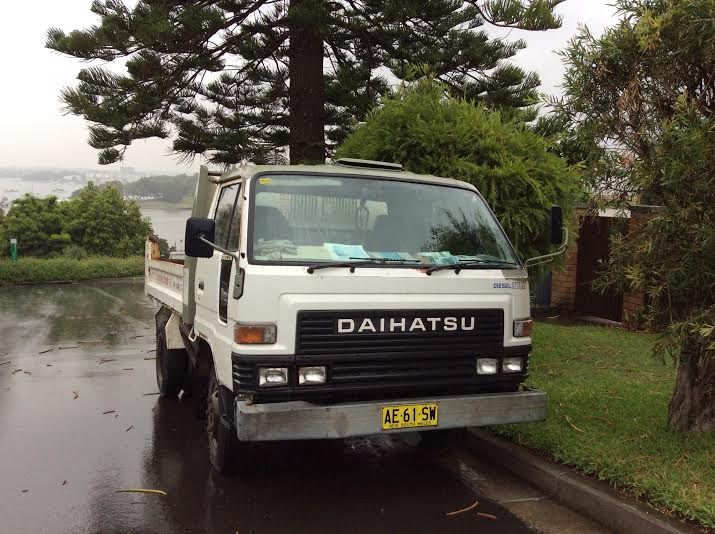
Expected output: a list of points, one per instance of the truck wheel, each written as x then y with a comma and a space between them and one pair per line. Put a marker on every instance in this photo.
171, 367
221, 433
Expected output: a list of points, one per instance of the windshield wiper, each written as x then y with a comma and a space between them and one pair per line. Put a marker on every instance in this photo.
476, 263
353, 264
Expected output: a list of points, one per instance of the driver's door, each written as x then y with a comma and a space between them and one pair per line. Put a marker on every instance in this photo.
213, 281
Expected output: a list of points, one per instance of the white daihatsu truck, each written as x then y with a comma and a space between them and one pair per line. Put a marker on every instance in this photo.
329, 301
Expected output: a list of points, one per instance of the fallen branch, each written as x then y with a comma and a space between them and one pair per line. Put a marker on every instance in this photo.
5, 363
140, 490
467, 509
108, 411
486, 516
46, 350
569, 422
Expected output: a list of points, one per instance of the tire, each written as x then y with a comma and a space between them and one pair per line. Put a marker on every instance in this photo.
223, 442
172, 367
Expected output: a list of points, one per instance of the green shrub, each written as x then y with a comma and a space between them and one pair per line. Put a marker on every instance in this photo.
36, 270
431, 133
75, 252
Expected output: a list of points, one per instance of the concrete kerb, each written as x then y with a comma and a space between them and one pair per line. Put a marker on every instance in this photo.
592, 498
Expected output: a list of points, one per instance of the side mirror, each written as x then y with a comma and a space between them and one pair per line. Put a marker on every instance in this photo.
557, 225
196, 228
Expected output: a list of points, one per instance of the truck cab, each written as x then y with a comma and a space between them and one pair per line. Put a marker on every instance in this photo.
328, 301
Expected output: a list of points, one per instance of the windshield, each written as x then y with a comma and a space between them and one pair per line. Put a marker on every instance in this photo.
314, 219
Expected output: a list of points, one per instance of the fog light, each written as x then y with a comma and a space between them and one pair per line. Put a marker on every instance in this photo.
269, 377
512, 365
487, 366
522, 328
311, 375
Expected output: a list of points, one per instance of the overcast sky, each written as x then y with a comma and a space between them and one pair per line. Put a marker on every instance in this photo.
34, 132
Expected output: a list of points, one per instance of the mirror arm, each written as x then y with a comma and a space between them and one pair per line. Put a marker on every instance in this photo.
220, 249
238, 280
546, 258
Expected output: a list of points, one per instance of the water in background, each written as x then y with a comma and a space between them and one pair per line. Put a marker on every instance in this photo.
168, 223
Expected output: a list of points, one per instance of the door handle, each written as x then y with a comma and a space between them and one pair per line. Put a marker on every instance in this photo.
201, 285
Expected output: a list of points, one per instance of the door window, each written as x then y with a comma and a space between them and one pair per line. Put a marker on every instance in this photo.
224, 215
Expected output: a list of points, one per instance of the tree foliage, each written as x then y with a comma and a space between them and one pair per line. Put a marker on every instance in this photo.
430, 132
239, 80
98, 220
168, 188
644, 95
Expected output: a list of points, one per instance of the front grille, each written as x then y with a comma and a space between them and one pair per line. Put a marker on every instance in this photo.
383, 365
318, 334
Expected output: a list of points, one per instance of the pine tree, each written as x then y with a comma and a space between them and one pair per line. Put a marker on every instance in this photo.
241, 79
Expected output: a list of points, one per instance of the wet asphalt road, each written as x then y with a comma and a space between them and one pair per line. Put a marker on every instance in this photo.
62, 457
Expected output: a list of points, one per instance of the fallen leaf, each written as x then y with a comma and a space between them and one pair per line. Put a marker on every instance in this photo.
45, 351
27, 372
5, 363
16, 371
64, 482
128, 429
569, 422
467, 509
128, 369
76, 394
108, 411
25, 491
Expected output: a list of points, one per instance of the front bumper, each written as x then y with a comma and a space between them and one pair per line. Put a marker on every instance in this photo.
305, 420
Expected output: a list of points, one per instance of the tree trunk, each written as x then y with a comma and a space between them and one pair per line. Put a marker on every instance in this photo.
306, 90
692, 407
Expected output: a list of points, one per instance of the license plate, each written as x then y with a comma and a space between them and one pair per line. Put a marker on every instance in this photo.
409, 416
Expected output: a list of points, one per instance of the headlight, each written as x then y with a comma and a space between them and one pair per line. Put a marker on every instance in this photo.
512, 365
522, 328
311, 375
487, 366
269, 377
255, 334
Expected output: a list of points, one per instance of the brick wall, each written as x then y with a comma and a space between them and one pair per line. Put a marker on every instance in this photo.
563, 286
633, 302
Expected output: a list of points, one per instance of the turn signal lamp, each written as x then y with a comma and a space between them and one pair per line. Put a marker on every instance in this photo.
522, 328
255, 334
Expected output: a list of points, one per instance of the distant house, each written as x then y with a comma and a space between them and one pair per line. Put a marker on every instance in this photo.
570, 288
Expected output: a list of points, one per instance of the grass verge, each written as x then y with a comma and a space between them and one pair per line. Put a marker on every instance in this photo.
35, 270
608, 401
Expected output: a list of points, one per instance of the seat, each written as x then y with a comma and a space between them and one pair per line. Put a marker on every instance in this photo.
270, 224
394, 234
